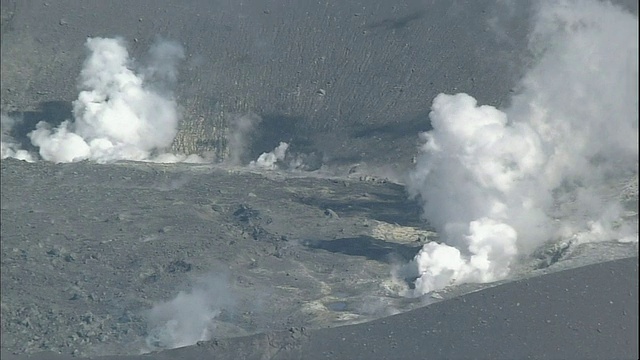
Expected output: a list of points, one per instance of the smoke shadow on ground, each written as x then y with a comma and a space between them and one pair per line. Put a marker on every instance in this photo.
393, 209
7, 17
53, 112
398, 22
366, 246
274, 128
418, 124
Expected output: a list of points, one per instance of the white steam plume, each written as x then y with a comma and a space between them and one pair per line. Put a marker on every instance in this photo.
497, 184
281, 158
9, 147
116, 116
189, 317
269, 160
239, 137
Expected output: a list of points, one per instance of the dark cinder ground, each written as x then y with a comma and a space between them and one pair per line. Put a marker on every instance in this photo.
88, 249
110, 241
91, 248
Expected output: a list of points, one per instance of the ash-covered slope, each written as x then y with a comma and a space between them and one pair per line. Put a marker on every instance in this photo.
351, 81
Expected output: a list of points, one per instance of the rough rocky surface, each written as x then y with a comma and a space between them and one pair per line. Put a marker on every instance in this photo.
541, 318
89, 251
108, 242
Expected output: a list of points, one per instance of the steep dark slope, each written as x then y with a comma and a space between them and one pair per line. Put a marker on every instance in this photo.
352, 81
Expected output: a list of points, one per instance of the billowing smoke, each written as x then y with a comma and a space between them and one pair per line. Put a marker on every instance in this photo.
189, 317
497, 184
282, 158
10, 148
117, 116
240, 130
270, 159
